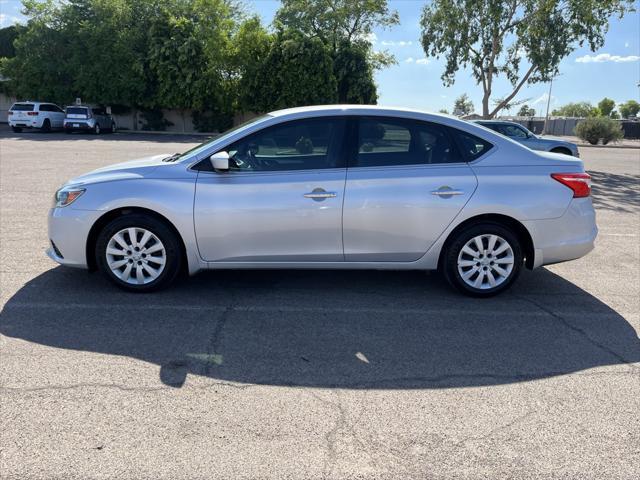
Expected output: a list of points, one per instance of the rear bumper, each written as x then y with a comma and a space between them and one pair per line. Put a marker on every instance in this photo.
24, 123
77, 126
565, 238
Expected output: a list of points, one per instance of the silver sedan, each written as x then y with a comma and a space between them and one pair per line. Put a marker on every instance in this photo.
331, 187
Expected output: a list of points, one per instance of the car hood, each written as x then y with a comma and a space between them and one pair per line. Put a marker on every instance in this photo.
122, 171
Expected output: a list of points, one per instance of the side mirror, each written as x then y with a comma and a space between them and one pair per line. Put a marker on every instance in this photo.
220, 161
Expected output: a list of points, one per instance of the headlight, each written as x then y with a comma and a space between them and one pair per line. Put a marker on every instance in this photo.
67, 195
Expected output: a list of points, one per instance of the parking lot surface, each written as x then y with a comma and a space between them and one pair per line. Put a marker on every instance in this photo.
312, 374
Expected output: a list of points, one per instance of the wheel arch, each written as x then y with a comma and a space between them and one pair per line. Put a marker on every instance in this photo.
101, 222
562, 150
517, 227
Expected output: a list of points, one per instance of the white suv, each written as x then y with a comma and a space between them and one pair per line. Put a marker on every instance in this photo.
44, 116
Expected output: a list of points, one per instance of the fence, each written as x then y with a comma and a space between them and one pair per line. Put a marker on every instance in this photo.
566, 125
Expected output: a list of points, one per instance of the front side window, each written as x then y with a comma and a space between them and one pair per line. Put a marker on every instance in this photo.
389, 142
308, 144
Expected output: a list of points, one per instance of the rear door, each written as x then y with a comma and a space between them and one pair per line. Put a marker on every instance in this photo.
281, 200
406, 182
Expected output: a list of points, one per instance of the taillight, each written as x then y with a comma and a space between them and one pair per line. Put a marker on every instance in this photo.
32, 114
580, 183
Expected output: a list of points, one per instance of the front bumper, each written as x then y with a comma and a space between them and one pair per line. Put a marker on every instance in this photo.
68, 231
567, 237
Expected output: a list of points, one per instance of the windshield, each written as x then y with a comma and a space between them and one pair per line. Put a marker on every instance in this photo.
192, 153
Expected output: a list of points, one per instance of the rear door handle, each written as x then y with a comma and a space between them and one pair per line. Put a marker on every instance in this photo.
319, 194
444, 193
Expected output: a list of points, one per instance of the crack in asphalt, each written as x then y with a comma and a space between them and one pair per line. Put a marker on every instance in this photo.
582, 333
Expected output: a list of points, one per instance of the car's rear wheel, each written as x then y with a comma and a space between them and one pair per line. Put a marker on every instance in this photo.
138, 253
46, 125
16, 129
483, 260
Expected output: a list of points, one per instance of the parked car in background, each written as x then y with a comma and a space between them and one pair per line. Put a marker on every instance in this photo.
88, 119
39, 115
517, 132
333, 187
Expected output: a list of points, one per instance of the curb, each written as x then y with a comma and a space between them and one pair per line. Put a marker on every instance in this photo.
629, 147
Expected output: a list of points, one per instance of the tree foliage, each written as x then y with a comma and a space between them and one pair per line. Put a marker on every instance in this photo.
522, 40
463, 105
629, 109
606, 106
344, 27
293, 56
204, 56
577, 109
526, 111
7, 37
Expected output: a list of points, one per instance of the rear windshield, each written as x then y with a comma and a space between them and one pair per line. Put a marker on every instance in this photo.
22, 107
77, 110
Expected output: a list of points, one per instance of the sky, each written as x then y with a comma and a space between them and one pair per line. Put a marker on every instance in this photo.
613, 71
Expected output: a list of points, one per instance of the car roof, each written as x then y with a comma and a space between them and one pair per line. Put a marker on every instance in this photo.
346, 109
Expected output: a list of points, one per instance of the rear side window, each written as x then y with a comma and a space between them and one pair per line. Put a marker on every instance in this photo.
389, 142
22, 107
47, 108
471, 146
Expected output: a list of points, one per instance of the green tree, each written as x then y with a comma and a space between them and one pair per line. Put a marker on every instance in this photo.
578, 109
496, 37
463, 105
526, 111
629, 109
444, 110
7, 37
606, 106
297, 71
344, 27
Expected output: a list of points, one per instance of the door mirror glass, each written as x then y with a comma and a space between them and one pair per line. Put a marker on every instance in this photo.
220, 161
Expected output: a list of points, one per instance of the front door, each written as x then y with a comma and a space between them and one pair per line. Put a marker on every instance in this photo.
281, 200
407, 182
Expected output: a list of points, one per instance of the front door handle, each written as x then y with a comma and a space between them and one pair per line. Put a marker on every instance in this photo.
319, 194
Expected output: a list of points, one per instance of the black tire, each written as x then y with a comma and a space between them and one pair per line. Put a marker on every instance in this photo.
159, 229
452, 251
46, 126
16, 129
96, 129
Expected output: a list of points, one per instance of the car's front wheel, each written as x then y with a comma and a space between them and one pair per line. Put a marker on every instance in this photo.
138, 253
483, 260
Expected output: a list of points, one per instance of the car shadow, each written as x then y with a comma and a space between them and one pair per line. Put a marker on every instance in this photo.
615, 191
331, 329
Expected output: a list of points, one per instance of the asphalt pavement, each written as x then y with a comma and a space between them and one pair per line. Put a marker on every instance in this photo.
312, 374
